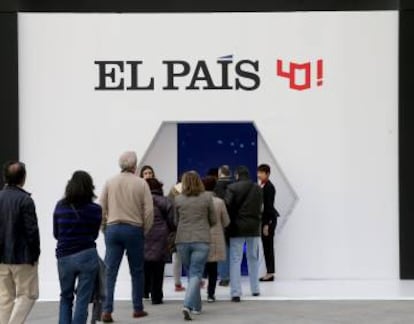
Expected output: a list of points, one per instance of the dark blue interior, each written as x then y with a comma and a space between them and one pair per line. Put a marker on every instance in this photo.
203, 146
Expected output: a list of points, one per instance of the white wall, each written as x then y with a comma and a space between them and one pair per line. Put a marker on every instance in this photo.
162, 155
336, 144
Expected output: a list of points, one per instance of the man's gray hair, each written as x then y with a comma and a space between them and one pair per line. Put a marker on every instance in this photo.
128, 161
224, 171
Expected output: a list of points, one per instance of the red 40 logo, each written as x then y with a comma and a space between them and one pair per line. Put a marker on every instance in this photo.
293, 70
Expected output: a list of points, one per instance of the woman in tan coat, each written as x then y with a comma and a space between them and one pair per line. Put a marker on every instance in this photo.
217, 241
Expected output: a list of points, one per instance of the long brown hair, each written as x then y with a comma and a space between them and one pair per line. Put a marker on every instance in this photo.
192, 184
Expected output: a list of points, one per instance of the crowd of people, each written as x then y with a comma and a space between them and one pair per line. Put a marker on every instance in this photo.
203, 224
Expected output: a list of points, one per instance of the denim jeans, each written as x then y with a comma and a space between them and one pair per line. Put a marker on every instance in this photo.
83, 267
118, 239
194, 257
224, 266
236, 256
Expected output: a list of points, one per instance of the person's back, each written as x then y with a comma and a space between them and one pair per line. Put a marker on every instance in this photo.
193, 225
76, 223
127, 199
127, 209
19, 247
76, 227
156, 240
224, 180
194, 215
156, 243
244, 200
221, 186
19, 235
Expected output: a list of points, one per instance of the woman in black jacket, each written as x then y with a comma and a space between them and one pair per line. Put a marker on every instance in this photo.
269, 220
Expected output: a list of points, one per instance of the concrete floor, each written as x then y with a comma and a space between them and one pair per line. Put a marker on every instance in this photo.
280, 312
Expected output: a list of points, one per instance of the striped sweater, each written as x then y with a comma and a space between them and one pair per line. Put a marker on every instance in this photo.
75, 227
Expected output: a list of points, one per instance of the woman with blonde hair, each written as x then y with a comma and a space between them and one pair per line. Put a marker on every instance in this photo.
194, 215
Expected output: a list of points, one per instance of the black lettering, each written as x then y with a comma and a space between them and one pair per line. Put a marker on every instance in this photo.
254, 77
201, 73
111, 74
172, 73
134, 77
225, 75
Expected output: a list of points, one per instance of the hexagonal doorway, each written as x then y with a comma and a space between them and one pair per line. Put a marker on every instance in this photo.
204, 146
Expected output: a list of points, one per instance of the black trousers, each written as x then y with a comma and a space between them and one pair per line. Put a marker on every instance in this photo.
211, 272
269, 249
154, 279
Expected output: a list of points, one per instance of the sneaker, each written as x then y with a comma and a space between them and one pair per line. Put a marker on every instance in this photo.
211, 299
235, 299
224, 283
179, 288
267, 278
256, 294
107, 318
139, 314
194, 312
186, 313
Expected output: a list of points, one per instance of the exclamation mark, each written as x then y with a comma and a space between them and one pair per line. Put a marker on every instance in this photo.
319, 72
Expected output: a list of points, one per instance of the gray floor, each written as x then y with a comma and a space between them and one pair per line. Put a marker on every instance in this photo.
292, 312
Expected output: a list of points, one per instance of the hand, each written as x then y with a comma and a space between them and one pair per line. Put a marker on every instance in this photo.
266, 230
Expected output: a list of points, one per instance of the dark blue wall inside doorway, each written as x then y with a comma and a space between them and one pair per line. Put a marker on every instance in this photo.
202, 146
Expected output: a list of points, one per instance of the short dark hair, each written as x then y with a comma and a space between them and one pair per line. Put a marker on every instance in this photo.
242, 171
209, 183
14, 173
154, 184
80, 188
264, 168
144, 168
212, 172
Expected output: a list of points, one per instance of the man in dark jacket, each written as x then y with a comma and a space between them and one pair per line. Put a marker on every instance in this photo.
269, 220
224, 180
19, 247
244, 203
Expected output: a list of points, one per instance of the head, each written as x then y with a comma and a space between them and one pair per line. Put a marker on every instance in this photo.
14, 173
80, 189
241, 173
192, 184
263, 172
154, 184
147, 172
209, 183
128, 162
213, 172
224, 171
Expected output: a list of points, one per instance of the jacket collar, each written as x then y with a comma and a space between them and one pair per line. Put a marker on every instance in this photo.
16, 188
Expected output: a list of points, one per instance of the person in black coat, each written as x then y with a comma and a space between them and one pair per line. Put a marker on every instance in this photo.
269, 220
244, 203
19, 247
224, 180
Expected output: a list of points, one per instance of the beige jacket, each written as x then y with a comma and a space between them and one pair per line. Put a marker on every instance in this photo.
126, 198
217, 241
